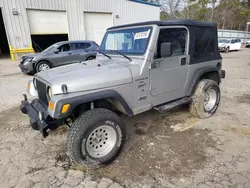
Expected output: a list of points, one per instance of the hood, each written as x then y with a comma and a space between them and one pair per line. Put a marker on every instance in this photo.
32, 55
88, 75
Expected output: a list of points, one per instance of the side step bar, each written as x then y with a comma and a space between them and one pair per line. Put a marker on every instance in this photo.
168, 106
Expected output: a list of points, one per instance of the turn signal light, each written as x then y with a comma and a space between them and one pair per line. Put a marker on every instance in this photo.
28, 86
51, 105
65, 108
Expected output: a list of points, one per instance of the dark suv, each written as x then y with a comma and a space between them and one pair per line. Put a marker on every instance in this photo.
58, 54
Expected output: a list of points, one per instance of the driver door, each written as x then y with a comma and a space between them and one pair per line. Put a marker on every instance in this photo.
169, 70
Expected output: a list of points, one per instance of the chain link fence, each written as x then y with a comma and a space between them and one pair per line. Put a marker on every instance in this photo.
232, 34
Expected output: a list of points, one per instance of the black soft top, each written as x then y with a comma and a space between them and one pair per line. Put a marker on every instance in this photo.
185, 22
203, 45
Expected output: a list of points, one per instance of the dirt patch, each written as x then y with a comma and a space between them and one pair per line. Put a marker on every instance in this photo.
245, 98
161, 151
10, 74
241, 131
233, 57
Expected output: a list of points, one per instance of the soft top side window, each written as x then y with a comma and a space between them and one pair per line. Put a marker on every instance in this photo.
176, 38
204, 43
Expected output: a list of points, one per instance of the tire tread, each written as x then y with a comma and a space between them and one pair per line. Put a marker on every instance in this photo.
82, 120
194, 106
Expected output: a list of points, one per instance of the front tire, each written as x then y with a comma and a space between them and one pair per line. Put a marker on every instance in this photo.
227, 50
205, 99
96, 137
42, 66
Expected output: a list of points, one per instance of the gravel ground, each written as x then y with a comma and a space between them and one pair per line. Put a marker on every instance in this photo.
163, 150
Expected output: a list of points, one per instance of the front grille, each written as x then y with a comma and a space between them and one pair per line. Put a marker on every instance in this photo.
42, 91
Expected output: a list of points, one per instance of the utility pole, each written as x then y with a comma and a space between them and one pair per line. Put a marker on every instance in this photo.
248, 23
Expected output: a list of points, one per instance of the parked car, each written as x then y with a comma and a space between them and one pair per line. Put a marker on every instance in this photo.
58, 54
226, 45
142, 66
248, 44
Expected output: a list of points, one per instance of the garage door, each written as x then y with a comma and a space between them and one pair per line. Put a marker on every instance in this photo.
47, 22
96, 25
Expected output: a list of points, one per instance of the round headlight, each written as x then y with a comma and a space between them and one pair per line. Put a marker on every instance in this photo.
50, 94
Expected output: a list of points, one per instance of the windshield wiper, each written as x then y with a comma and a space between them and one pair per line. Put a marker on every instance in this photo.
122, 54
105, 55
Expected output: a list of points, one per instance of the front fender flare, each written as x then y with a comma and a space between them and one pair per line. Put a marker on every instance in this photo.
77, 100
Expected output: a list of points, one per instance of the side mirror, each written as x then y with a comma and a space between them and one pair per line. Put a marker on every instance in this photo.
56, 51
166, 49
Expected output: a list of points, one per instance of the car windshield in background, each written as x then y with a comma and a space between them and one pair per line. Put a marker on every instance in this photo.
126, 41
224, 41
50, 48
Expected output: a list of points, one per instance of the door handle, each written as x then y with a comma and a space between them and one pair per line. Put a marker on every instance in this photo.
183, 61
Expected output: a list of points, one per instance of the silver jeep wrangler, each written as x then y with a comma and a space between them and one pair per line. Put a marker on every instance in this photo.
150, 65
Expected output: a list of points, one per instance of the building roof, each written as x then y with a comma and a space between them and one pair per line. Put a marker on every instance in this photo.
185, 22
146, 3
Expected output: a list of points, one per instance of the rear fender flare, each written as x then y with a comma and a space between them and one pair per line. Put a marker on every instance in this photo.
197, 76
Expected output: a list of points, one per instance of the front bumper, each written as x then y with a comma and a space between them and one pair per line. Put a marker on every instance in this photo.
27, 67
39, 117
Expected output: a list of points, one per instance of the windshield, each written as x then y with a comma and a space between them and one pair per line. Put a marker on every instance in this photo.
224, 41
126, 41
50, 48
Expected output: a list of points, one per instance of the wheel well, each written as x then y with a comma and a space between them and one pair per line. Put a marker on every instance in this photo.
107, 103
213, 75
218, 66
91, 56
41, 61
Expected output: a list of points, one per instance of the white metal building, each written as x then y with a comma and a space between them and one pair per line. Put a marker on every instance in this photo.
25, 20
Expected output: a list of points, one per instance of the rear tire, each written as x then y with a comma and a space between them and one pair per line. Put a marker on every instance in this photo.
96, 137
205, 99
90, 58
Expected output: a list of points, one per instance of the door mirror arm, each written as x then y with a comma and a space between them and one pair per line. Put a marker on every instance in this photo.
156, 63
